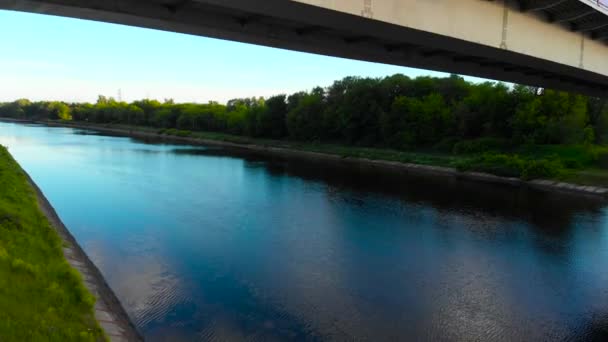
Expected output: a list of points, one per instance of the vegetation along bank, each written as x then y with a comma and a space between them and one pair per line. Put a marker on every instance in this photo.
517, 132
44, 295
41, 297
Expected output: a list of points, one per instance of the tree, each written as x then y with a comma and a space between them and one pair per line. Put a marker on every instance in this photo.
59, 110
304, 121
416, 122
394, 111
271, 120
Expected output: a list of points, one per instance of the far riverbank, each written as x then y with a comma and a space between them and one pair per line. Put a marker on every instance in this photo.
386, 160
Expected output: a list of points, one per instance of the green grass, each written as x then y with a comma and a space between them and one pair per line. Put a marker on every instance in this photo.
41, 297
596, 177
573, 156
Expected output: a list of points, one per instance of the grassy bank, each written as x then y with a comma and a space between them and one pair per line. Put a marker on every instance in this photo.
578, 164
41, 297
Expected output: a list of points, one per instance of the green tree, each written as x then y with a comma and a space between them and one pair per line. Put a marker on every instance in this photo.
304, 121
59, 110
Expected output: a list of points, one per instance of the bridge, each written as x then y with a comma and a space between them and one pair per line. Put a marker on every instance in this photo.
561, 44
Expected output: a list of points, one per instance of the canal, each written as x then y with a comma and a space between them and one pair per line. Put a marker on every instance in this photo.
207, 243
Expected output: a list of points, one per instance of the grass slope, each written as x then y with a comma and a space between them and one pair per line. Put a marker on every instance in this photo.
41, 297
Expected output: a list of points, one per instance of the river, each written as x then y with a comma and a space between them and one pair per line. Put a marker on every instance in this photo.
208, 243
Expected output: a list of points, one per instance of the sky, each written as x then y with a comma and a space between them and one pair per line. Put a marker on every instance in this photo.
53, 58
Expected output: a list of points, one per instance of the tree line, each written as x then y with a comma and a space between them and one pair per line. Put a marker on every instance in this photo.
396, 112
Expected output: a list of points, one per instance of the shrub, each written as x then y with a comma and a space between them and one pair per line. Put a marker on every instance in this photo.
513, 166
542, 168
497, 164
479, 145
501, 164
602, 160
3, 253
572, 163
181, 133
572, 156
599, 155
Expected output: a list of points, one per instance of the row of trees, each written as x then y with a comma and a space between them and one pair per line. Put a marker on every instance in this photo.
396, 111
24, 109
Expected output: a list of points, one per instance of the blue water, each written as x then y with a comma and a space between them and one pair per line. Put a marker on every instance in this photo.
202, 243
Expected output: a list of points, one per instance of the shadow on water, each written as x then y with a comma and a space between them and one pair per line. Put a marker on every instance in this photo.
92, 133
85, 132
550, 211
550, 214
595, 331
551, 217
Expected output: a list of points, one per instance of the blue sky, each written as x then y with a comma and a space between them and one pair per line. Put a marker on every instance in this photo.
54, 58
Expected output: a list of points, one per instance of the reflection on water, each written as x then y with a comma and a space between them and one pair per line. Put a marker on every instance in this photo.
205, 243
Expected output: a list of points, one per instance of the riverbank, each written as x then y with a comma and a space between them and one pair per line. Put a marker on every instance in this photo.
408, 162
41, 296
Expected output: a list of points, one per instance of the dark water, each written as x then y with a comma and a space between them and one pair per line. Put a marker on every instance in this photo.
210, 244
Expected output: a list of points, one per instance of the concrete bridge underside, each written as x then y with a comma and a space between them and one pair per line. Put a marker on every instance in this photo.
548, 43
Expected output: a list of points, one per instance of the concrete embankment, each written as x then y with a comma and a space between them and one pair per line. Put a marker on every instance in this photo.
537, 184
108, 310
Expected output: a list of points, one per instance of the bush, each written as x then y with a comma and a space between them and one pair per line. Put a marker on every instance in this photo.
181, 133
543, 168
497, 164
572, 156
572, 163
598, 154
602, 160
479, 145
501, 165
513, 166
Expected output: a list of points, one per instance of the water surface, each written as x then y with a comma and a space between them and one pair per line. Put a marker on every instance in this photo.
202, 243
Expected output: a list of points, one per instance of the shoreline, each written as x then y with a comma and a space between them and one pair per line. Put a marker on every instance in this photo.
417, 169
109, 312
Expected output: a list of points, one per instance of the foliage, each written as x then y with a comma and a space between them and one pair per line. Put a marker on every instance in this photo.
572, 156
498, 164
543, 168
416, 122
513, 166
304, 121
176, 132
397, 112
41, 297
479, 145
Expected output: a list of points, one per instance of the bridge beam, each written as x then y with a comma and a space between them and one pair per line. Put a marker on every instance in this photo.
539, 5
502, 43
